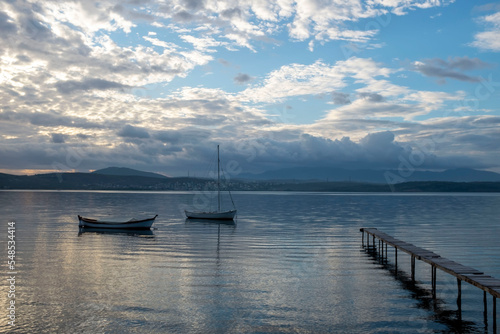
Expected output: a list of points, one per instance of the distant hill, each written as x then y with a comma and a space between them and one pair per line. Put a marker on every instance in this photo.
96, 181
91, 181
122, 171
428, 186
373, 176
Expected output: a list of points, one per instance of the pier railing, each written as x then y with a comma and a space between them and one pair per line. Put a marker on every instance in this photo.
488, 284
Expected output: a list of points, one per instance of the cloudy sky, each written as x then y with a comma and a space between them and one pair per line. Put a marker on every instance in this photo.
156, 85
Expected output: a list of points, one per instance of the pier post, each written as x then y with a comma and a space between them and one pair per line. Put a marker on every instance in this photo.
485, 313
413, 268
494, 314
433, 281
386, 260
459, 298
381, 251
396, 258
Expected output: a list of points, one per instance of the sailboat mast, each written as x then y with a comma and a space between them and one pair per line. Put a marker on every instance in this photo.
218, 179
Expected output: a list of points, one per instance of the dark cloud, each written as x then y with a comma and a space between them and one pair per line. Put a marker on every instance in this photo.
34, 155
371, 97
480, 141
191, 147
242, 78
67, 87
7, 25
129, 13
451, 69
466, 63
184, 16
58, 138
224, 62
376, 150
194, 5
45, 119
35, 29
23, 59
83, 136
129, 131
211, 108
164, 136
7, 89
340, 98
48, 120
380, 147
230, 13
435, 71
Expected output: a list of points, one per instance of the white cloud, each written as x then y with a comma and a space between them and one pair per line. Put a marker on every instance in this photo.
244, 21
375, 102
69, 43
489, 40
377, 96
296, 80
317, 78
166, 45
87, 16
365, 109
430, 101
202, 43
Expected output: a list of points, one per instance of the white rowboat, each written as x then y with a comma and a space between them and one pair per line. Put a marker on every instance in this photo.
141, 224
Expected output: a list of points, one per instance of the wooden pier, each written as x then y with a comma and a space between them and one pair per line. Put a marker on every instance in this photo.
467, 274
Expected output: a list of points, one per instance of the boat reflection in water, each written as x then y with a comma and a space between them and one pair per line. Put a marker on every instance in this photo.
211, 221
136, 233
228, 224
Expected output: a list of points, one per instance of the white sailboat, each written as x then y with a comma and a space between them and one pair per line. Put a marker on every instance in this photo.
219, 214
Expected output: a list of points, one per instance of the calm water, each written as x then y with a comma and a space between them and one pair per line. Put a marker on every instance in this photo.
292, 263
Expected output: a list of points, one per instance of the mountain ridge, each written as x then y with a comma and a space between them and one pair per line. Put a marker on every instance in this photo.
373, 176
106, 180
124, 171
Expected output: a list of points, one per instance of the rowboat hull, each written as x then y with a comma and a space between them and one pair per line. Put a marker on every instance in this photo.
224, 215
132, 232
141, 224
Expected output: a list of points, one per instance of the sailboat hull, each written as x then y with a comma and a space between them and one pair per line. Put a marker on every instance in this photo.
225, 215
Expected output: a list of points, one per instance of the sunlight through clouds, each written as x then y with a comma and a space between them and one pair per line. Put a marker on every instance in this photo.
155, 84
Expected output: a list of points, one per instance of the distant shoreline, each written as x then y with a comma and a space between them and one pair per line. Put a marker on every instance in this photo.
88, 181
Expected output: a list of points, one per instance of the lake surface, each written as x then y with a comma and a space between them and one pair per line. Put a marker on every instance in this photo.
292, 263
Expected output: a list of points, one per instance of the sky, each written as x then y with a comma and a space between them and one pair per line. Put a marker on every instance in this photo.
156, 85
